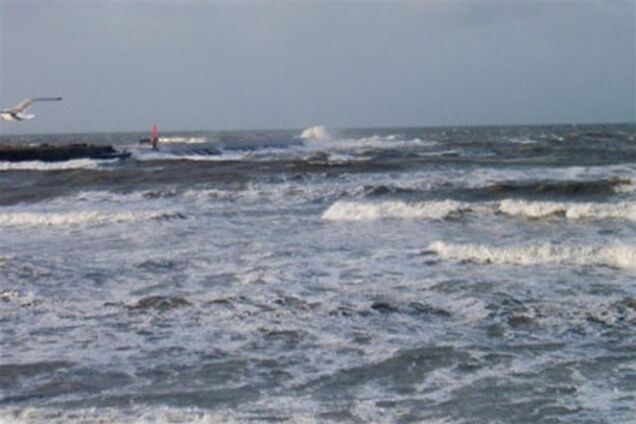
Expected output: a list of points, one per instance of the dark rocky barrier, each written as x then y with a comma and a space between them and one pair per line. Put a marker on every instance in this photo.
50, 153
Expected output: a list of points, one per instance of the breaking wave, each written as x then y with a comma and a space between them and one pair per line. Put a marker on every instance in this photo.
568, 180
360, 211
201, 156
317, 132
538, 209
54, 166
18, 219
559, 187
628, 188
319, 139
366, 211
617, 256
182, 140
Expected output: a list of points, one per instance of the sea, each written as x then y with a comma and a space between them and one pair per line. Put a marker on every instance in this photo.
318, 275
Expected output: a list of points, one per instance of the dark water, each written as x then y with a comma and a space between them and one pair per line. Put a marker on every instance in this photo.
375, 275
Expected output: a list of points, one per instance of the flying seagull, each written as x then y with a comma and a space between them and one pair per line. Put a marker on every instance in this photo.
16, 113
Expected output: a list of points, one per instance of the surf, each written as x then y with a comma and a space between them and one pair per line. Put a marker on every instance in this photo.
618, 255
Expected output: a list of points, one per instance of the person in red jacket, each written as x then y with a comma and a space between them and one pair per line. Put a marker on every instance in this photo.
154, 139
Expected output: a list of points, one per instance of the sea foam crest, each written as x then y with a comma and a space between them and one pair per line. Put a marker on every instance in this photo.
12, 219
628, 187
182, 140
160, 156
539, 209
618, 255
317, 132
361, 211
54, 166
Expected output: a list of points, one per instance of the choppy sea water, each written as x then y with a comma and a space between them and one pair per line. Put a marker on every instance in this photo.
446, 275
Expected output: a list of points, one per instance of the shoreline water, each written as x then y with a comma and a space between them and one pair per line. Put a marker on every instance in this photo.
471, 275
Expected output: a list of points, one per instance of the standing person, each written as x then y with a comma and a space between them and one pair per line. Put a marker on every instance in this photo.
154, 139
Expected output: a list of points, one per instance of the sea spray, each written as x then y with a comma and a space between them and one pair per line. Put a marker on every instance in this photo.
317, 132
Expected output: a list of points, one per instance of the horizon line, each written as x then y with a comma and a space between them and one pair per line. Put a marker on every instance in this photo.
336, 128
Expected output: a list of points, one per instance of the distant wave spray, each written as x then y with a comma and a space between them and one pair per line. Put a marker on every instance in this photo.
317, 132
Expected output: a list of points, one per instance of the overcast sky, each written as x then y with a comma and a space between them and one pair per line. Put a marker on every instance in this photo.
197, 65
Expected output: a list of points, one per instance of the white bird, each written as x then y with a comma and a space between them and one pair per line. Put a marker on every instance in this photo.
16, 113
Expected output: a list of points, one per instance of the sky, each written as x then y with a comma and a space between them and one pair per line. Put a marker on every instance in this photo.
124, 65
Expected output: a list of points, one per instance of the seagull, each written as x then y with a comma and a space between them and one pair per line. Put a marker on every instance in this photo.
16, 113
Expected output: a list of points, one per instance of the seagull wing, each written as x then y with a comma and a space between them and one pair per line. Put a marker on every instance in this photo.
46, 99
21, 107
24, 104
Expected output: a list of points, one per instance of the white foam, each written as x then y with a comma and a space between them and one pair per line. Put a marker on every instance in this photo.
541, 209
158, 155
17, 298
522, 140
366, 143
481, 177
440, 153
359, 211
54, 166
182, 140
628, 187
317, 132
318, 139
26, 218
132, 415
618, 255
305, 412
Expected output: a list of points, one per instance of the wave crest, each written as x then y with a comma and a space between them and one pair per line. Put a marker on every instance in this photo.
366, 211
54, 166
182, 140
617, 256
537, 209
361, 211
317, 132
19, 219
